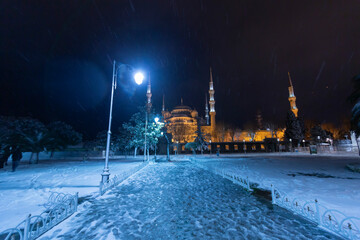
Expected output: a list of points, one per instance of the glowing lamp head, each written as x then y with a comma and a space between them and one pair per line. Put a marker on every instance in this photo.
139, 78
156, 119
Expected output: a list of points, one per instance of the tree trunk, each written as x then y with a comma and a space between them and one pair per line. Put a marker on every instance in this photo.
135, 151
31, 157
37, 158
357, 143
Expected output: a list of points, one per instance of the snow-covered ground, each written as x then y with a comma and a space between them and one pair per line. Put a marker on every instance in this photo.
308, 177
26, 190
182, 201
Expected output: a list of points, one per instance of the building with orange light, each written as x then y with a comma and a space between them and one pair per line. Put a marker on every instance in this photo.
182, 122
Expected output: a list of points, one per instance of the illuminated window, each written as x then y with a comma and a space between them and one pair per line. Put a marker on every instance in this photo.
218, 146
253, 147
183, 147
262, 147
236, 147
227, 147
209, 147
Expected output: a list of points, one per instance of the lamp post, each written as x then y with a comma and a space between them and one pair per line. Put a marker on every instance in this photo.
145, 148
147, 112
139, 77
177, 147
156, 119
244, 146
290, 144
210, 146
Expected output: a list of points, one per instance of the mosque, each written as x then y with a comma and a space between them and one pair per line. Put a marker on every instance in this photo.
183, 122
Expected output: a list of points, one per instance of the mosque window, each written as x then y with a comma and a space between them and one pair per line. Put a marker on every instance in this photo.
236, 147
227, 147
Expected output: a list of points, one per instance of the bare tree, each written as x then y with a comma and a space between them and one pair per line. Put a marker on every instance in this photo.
251, 129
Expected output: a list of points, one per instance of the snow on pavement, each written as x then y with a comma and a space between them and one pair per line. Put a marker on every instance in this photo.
28, 189
181, 201
324, 178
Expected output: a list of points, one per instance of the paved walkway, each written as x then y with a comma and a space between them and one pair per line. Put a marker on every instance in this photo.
181, 201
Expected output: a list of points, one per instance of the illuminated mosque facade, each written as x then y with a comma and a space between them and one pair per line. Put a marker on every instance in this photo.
183, 122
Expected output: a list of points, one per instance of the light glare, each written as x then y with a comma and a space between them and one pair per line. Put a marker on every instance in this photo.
139, 77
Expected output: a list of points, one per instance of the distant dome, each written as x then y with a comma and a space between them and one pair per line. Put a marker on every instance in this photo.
183, 107
181, 111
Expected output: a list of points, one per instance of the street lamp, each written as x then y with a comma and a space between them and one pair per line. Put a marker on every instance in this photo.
139, 77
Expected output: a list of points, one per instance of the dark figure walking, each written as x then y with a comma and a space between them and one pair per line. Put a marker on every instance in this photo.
16, 157
4, 155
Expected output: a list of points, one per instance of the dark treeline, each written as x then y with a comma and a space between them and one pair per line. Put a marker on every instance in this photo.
31, 135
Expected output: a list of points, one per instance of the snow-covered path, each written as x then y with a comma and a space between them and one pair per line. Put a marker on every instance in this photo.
28, 189
181, 201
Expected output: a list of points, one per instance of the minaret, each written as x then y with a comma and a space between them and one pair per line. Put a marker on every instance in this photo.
148, 95
212, 102
206, 111
163, 105
292, 98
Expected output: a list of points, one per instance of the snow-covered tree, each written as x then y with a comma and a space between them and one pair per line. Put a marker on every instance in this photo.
154, 132
6, 134
294, 128
135, 132
319, 135
354, 98
30, 135
100, 141
200, 142
200, 139
60, 136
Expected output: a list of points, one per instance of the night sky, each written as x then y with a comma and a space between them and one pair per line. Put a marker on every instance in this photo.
56, 57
